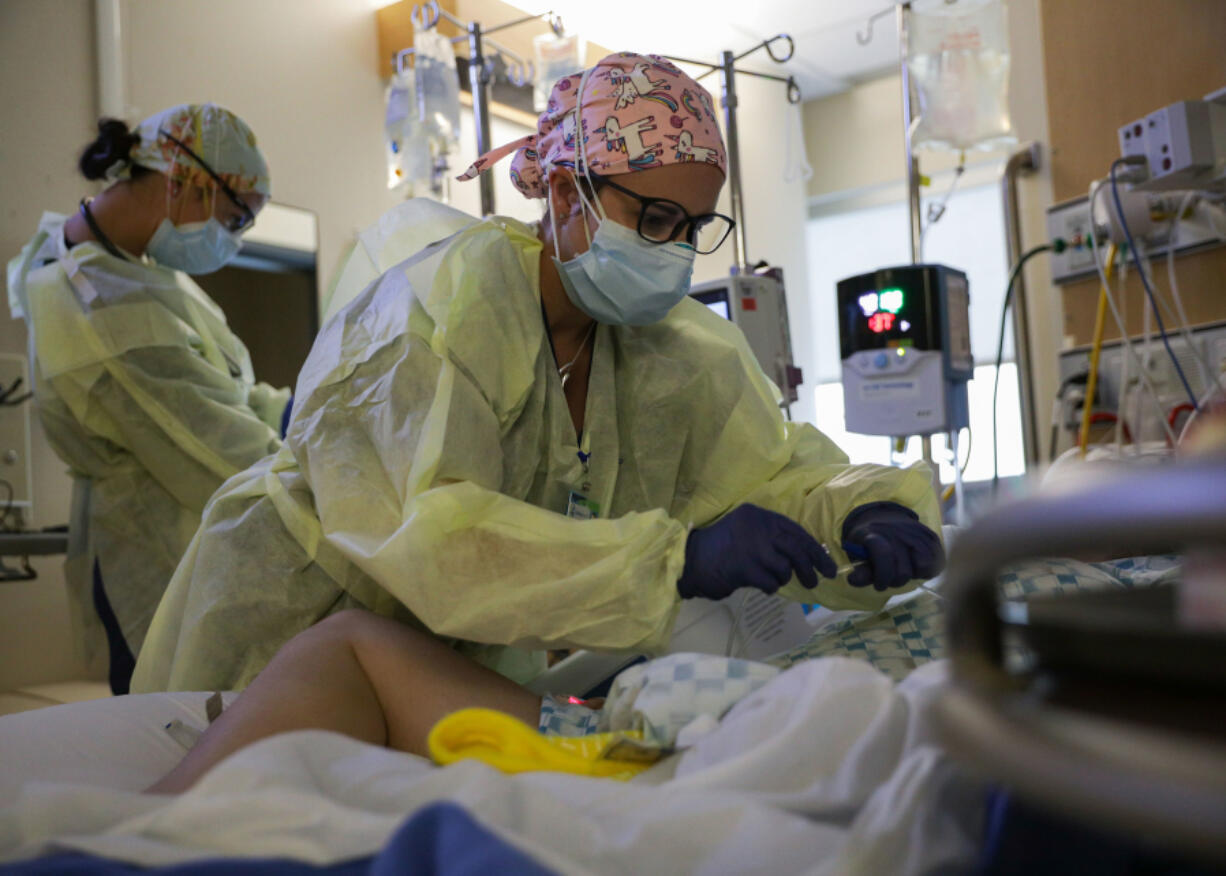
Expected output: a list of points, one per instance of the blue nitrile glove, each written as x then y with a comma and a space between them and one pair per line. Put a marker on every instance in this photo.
285, 415
894, 544
751, 547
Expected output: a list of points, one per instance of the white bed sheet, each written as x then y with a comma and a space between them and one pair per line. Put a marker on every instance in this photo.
829, 769
117, 742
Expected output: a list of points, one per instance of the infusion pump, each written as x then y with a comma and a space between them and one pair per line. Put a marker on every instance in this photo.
757, 305
905, 341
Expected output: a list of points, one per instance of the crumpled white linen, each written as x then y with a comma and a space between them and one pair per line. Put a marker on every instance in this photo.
827, 769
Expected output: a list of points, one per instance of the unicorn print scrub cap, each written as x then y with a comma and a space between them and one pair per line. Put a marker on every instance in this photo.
630, 112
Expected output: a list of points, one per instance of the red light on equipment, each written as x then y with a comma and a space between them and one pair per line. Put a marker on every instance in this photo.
881, 321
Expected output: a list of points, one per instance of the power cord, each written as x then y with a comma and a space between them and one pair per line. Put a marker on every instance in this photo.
1149, 290
1058, 246
1125, 342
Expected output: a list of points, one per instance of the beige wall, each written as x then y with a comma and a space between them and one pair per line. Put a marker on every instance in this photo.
47, 94
855, 139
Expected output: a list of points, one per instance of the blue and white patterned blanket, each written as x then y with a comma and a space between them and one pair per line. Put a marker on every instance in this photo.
911, 632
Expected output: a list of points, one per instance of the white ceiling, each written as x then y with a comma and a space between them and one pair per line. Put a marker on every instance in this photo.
828, 58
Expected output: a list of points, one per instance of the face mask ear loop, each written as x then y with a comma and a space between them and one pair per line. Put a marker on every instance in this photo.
553, 222
587, 206
581, 139
553, 225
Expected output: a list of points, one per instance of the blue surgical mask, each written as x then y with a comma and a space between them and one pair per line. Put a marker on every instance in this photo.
623, 279
193, 247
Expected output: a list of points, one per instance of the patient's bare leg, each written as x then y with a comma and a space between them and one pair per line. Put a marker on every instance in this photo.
359, 674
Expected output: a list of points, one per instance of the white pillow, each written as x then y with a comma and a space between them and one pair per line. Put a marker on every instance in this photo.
119, 743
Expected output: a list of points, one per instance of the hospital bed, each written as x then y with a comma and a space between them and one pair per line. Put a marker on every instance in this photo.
1108, 708
830, 769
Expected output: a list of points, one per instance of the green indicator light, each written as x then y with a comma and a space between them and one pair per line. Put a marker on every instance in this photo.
892, 300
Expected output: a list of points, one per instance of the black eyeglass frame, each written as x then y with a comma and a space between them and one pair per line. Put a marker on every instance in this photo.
221, 183
689, 223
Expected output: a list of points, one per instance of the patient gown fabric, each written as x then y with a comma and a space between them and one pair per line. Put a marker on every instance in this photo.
431, 461
149, 398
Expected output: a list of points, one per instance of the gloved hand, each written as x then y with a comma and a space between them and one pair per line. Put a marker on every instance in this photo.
751, 547
895, 544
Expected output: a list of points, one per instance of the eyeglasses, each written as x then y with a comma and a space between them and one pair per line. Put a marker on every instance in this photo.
662, 220
236, 223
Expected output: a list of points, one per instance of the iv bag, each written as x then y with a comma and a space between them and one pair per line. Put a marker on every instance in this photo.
410, 145
396, 121
438, 85
556, 57
958, 58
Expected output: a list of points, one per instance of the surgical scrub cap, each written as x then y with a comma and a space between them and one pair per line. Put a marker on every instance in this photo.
215, 134
635, 112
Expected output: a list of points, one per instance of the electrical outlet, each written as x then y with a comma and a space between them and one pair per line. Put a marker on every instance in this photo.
15, 432
1071, 221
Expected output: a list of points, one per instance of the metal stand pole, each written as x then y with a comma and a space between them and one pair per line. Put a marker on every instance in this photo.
912, 168
727, 76
913, 188
479, 79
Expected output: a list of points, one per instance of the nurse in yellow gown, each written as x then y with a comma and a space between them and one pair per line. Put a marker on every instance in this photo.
141, 387
526, 437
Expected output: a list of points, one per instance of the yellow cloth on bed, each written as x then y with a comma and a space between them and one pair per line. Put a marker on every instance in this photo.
511, 746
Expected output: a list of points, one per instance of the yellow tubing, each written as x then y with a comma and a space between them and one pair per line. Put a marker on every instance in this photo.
1100, 322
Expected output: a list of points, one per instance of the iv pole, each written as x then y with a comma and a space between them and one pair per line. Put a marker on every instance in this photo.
1024, 159
902, 12
480, 71
728, 101
914, 222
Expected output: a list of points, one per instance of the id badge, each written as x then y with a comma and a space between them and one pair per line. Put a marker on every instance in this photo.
580, 507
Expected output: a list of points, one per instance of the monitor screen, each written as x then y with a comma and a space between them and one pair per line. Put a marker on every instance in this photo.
890, 308
717, 301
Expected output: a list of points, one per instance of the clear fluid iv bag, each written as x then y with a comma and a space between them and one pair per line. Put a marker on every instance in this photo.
410, 144
958, 59
438, 85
